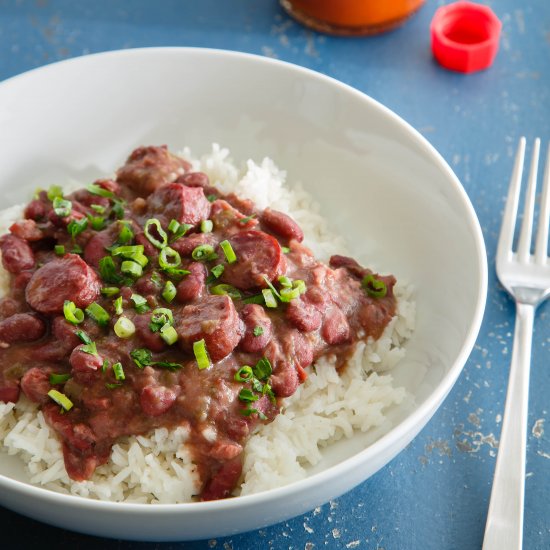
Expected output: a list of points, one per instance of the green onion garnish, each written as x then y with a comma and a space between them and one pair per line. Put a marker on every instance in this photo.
97, 222
109, 291
54, 191
107, 270
142, 357
58, 378
262, 369
140, 303
98, 314
83, 337
98, 190
248, 396
285, 281
62, 207
148, 230
228, 290
124, 327
258, 330
203, 253
160, 317
288, 294
285, 249
375, 288
119, 371
177, 229
75, 227
98, 208
256, 299
217, 270
168, 334
112, 386
118, 208
126, 234
175, 272
89, 348
59, 249
207, 226
61, 399
201, 354
228, 251
247, 219
269, 299
244, 374
173, 226
72, 314
211, 198
105, 365
169, 258
118, 305
169, 291
131, 268
132, 252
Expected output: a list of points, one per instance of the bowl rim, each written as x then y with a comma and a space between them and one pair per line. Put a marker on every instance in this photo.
414, 422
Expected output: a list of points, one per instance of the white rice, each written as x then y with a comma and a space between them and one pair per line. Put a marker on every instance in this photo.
327, 407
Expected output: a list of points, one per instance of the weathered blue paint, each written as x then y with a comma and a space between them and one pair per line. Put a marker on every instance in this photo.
434, 495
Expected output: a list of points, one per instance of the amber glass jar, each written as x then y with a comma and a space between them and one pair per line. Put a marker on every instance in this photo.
351, 17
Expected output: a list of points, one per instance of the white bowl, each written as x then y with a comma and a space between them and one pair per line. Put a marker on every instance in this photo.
380, 183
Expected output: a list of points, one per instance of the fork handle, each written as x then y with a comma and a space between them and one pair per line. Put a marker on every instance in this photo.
504, 527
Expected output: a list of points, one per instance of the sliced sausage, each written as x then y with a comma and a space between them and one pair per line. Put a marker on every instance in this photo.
281, 224
304, 315
67, 278
192, 286
16, 254
156, 400
147, 168
257, 331
21, 327
259, 255
216, 320
186, 245
178, 202
37, 209
36, 384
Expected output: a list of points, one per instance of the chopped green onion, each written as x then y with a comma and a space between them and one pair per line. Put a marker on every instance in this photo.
161, 233
244, 221
89, 348
173, 226
107, 270
161, 316
118, 208
258, 330
269, 299
105, 365
201, 354
285, 249
97, 222
118, 305
256, 299
174, 272
112, 386
77, 249
203, 252
140, 303
126, 234
98, 314
62, 207
375, 288
262, 369
72, 314
228, 290
272, 288
83, 337
54, 191
61, 399
288, 294
59, 249
131, 268
95, 189
98, 208
285, 281
217, 270
156, 278
248, 396
142, 357
178, 229
173, 367
109, 291
211, 198
168, 334
58, 378
124, 327
165, 255
207, 226
132, 252
169, 292
257, 385
244, 374
119, 371
228, 251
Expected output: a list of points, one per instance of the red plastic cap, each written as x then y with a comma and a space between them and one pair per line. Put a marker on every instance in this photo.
465, 36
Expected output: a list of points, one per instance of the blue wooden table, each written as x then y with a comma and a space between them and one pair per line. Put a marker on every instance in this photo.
434, 495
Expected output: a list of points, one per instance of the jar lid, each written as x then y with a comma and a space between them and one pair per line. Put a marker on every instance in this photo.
465, 36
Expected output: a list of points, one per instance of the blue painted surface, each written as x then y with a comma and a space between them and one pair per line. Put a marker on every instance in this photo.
434, 495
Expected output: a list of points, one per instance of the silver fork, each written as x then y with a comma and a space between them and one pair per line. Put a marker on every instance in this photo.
526, 277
